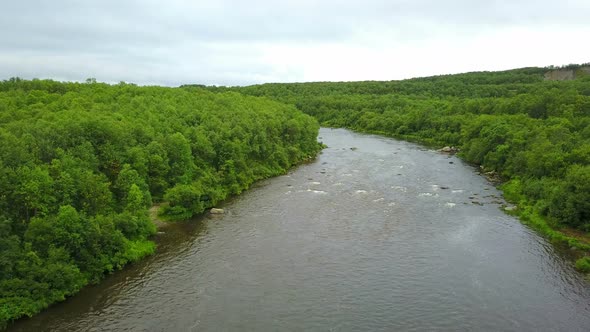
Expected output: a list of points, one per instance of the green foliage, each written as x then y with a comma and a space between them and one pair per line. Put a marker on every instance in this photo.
183, 201
81, 163
583, 264
571, 202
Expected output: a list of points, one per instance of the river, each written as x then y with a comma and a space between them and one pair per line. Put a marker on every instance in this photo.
375, 235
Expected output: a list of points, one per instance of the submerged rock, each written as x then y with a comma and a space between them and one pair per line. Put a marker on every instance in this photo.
216, 211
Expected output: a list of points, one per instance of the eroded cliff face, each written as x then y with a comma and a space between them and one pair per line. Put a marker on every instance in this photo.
566, 74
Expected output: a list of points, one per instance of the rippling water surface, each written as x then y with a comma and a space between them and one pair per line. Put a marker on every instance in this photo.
375, 235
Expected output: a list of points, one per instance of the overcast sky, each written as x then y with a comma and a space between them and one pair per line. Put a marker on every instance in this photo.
222, 42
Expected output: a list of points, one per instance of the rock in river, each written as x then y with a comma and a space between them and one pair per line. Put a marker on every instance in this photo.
449, 149
216, 211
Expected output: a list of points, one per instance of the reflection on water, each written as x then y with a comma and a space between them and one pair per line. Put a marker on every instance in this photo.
387, 236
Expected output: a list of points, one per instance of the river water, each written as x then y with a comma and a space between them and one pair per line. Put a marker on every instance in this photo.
375, 235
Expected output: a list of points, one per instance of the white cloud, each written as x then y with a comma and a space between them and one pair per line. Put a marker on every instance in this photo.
230, 42
388, 57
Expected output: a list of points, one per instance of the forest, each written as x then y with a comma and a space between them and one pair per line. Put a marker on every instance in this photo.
533, 133
81, 164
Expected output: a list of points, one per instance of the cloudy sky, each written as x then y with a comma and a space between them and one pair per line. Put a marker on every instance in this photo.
246, 42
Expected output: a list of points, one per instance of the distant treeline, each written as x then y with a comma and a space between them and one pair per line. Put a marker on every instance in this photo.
535, 133
571, 66
80, 164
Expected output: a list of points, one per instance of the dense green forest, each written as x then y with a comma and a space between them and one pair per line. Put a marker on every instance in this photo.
534, 133
81, 163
